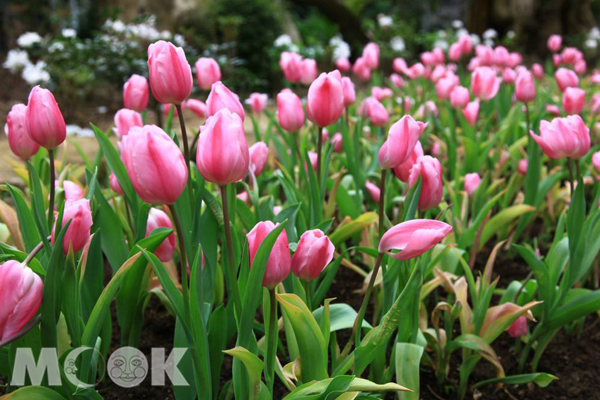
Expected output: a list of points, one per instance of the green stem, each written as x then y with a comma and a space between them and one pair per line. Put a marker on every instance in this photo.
363, 308
186, 154
272, 338
230, 273
185, 290
382, 202
308, 295
319, 151
52, 188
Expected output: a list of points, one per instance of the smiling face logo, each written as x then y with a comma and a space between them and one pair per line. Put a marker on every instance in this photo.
127, 367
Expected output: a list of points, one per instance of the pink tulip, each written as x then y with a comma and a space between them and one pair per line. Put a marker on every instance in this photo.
381, 93
413, 238
397, 80
159, 219
243, 196
455, 52
223, 156
436, 149
553, 109
373, 190
595, 106
596, 160
514, 59
313, 254
279, 262
564, 137
207, 72
538, 71
72, 190
595, 79
525, 87
509, 76
501, 57
402, 171
78, 233
337, 142
571, 55
472, 182
348, 91
399, 65
371, 55
289, 111
522, 167
325, 99
166, 109
259, 153
21, 297
221, 97
198, 107
114, 184
556, 60
439, 56
290, 63
573, 100
257, 102
518, 328
19, 140
312, 156
466, 44
136, 93
308, 71
444, 86
438, 73
170, 73
485, 55
554, 43
402, 139
484, 83
343, 65
376, 112
154, 163
361, 70
566, 78
430, 171
459, 97
428, 58
471, 112
125, 119
415, 71
580, 67
45, 123
426, 110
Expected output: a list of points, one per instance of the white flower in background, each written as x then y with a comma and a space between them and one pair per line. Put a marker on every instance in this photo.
511, 34
56, 46
283, 41
76, 130
490, 34
462, 32
118, 26
442, 34
165, 34
341, 49
475, 39
16, 60
442, 44
385, 21
488, 42
397, 44
102, 109
591, 44
28, 39
457, 24
36, 73
594, 33
69, 33
179, 40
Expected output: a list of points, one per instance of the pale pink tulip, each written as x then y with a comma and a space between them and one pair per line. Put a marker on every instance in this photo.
279, 262
564, 137
207, 72
45, 122
170, 73
19, 141
313, 253
126, 119
221, 97
289, 111
430, 171
136, 93
159, 219
413, 238
402, 139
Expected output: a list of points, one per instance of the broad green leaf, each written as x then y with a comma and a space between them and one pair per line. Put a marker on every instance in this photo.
254, 367
501, 220
341, 315
541, 379
331, 388
33, 393
408, 362
351, 227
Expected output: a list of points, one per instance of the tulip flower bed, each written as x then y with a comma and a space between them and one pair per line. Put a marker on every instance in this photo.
433, 234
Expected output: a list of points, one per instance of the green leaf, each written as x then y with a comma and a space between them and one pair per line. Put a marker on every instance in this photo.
501, 220
574, 309
29, 231
331, 388
33, 393
541, 379
349, 229
254, 367
408, 361
341, 315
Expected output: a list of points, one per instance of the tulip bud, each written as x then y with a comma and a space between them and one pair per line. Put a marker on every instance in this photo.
432, 189
45, 123
484, 83
78, 232
125, 119
73, 191
371, 55
259, 153
397, 80
566, 78
313, 254
257, 102
223, 156
399, 65
564, 137
554, 43
170, 73
413, 238
290, 63
348, 91
436, 149
573, 100
207, 72
444, 86
580, 67
166, 109
373, 190
325, 99
501, 56
472, 182
514, 60
154, 163
136, 93
313, 157
159, 219
401, 141
337, 142
538, 71
522, 167
343, 65
19, 140
114, 184
361, 70
279, 262
221, 97
553, 109
455, 52
197, 107
375, 111
471, 112
525, 87
402, 171
509, 76
518, 328
571, 55
21, 297
308, 71
459, 97
381, 93
289, 111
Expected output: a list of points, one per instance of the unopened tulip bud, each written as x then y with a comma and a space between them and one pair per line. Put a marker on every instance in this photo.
413, 238
554, 43
432, 189
518, 328
573, 100
325, 99
125, 119
525, 87
19, 141
159, 219
45, 122
136, 93
402, 139
259, 153
313, 254
373, 191
207, 72
290, 113
472, 182
279, 262
221, 97
78, 233
170, 73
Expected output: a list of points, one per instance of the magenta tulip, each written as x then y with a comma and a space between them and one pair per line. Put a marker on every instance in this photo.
343, 65
566, 78
114, 184
125, 119
573, 100
154, 163
257, 102
170, 73
223, 156
337, 142
279, 262
259, 153
413, 238
471, 112
220, 97
371, 55
78, 233
325, 103
373, 190
45, 122
348, 91
198, 107
459, 97
376, 112
313, 254
136, 93
402, 139
289, 111
290, 63
19, 141
564, 137
554, 43
72, 190
20, 296
484, 83
207, 72
402, 171
518, 328
159, 219
472, 182
525, 87
432, 190
522, 167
